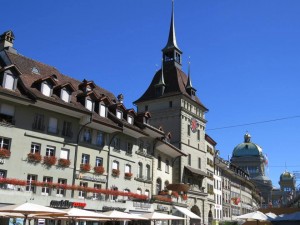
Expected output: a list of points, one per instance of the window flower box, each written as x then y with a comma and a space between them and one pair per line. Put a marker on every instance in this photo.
85, 167
34, 157
49, 160
99, 170
115, 172
128, 176
64, 162
4, 153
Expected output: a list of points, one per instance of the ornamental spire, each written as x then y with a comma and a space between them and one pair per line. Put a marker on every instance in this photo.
172, 35
189, 87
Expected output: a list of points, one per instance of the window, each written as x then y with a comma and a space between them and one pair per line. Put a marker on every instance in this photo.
115, 165
139, 191
35, 148
82, 194
158, 185
115, 197
97, 195
65, 95
38, 122
119, 114
189, 129
141, 146
140, 170
159, 162
167, 166
198, 135
50, 151
4, 143
59, 191
89, 104
126, 191
130, 119
67, 129
7, 113
99, 161
189, 159
87, 135
52, 127
170, 104
147, 193
45, 189
64, 153
148, 148
199, 163
116, 143
3, 175
148, 172
100, 141
9, 82
127, 168
85, 159
31, 178
46, 89
102, 112
146, 107
129, 148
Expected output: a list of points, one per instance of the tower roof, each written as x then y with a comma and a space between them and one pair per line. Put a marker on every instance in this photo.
247, 148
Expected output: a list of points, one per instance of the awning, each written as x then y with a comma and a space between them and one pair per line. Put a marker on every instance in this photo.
187, 212
196, 171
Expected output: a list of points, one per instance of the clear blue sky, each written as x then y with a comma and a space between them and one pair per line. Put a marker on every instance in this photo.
244, 58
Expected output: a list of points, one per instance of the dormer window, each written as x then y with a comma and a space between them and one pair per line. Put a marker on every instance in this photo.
65, 95
8, 81
130, 119
119, 114
102, 110
89, 104
35, 70
88, 88
46, 89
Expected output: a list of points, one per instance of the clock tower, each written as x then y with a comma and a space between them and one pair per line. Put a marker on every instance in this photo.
174, 106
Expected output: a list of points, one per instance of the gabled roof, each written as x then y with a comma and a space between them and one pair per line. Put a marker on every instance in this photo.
175, 80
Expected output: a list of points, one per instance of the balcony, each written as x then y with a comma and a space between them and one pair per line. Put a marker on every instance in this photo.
145, 179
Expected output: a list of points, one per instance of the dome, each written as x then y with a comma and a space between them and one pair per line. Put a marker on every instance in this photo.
247, 148
286, 176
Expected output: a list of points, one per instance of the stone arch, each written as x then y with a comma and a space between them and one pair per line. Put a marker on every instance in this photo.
195, 209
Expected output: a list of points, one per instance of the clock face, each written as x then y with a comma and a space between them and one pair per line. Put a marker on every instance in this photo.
194, 125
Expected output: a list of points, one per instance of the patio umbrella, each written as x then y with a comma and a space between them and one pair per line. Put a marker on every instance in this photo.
271, 215
256, 216
29, 208
288, 217
81, 214
117, 215
160, 216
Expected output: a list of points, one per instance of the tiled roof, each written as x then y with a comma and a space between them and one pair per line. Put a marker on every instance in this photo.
175, 80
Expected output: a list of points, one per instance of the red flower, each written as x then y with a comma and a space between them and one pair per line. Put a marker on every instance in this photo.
99, 169
128, 175
34, 157
115, 172
184, 197
85, 167
4, 153
64, 162
49, 160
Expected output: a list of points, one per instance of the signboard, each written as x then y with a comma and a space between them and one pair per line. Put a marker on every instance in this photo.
65, 204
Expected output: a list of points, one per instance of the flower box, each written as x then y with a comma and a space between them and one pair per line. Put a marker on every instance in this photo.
115, 172
128, 175
85, 167
34, 157
49, 160
4, 153
184, 197
64, 162
99, 169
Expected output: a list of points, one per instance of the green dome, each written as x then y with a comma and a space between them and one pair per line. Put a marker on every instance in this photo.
286, 176
247, 148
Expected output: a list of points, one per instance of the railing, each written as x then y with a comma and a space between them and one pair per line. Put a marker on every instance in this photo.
146, 179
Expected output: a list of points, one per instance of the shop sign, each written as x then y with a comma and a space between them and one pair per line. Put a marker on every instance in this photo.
141, 205
162, 208
109, 208
91, 178
65, 204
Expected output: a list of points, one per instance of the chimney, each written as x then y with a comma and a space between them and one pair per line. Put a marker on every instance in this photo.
120, 98
7, 40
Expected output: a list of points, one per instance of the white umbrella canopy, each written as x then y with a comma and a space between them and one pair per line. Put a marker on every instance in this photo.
160, 216
271, 215
81, 213
256, 216
30, 208
117, 215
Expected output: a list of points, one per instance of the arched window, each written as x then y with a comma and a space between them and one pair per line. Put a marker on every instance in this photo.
126, 191
147, 193
140, 170
139, 191
148, 172
166, 184
167, 166
158, 185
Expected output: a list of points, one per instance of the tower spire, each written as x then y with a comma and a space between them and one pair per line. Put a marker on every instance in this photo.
189, 87
161, 85
171, 52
